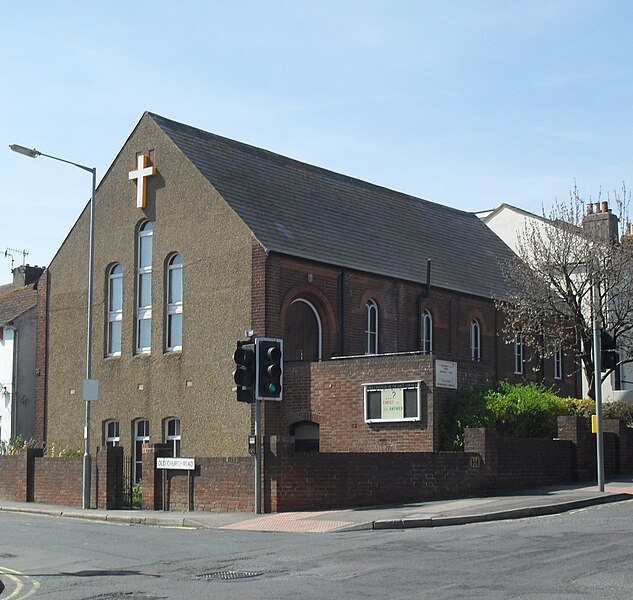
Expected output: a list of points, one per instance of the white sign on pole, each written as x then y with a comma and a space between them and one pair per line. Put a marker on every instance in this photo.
184, 464
91, 390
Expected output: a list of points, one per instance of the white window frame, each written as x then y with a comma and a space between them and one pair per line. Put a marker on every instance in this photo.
111, 433
386, 385
558, 360
173, 439
475, 340
426, 337
372, 328
114, 316
143, 273
173, 309
519, 353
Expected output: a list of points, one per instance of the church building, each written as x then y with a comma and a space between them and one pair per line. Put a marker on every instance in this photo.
385, 304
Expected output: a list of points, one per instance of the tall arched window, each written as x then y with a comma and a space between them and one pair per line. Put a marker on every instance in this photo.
426, 338
475, 340
141, 436
172, 435
115, 310
174, 303
144, 289
372, 328
558, 360
303, 333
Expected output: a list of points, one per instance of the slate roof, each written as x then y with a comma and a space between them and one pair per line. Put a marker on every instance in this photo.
309, 212
15, 301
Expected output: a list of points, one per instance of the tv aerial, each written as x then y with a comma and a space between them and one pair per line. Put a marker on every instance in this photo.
11, 251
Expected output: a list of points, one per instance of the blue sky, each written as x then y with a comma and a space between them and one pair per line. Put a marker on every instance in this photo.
465, 103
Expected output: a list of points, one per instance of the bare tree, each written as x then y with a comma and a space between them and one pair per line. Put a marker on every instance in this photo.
571, 263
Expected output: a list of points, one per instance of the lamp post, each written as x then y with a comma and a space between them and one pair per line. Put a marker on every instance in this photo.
90, 386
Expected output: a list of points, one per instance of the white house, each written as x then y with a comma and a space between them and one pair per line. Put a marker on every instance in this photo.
18, 339
509, 222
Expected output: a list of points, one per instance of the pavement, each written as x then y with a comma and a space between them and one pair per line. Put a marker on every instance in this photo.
512, 505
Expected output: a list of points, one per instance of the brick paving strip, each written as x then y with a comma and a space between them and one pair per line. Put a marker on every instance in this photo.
297, 522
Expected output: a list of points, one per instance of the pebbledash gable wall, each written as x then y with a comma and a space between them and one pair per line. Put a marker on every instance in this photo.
41, 358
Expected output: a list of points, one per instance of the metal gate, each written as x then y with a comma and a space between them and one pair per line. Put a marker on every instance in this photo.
128, 482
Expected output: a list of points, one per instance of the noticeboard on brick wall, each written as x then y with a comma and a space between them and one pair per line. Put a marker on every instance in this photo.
392, 401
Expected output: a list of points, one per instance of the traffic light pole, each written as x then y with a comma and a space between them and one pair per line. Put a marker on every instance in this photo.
258, 457
597, 377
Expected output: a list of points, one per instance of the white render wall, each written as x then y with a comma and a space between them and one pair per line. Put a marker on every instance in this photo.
7, 347
508, 223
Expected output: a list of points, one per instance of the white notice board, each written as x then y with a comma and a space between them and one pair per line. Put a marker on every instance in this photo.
446, 374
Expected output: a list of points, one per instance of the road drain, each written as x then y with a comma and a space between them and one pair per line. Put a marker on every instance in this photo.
6, 555
229, 575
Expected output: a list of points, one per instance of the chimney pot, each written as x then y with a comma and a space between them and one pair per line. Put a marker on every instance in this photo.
597, 209
605, 207
590, 208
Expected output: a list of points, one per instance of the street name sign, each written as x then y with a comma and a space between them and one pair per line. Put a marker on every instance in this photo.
184, 464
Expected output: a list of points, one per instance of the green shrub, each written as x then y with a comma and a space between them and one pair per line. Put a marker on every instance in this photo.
137, 494
16, 445
514, 410
618, 410
467, 409
53, 451
525, 410
582, 407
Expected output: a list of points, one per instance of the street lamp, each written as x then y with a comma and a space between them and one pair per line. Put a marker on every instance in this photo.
90, 385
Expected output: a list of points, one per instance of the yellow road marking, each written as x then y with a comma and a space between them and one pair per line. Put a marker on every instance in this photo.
17, 578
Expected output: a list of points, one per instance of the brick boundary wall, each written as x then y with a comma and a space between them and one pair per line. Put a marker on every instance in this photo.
58, 481
577, 430
31, 477
624, 444
16, 476
217, 484
322, 481
521, 462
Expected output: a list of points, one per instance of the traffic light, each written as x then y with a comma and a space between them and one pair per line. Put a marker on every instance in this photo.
269, 369
610, 357
244, 374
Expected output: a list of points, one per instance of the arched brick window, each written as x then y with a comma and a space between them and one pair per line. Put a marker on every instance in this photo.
303, 335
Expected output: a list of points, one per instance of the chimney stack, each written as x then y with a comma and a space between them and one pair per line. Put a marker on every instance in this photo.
26, 275
600, 224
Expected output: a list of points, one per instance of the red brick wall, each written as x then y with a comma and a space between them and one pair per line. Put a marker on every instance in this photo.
318, 481
521, 462
341, 296
108, 485
624, 443
59, 481
13, 477
217, 484
330, 393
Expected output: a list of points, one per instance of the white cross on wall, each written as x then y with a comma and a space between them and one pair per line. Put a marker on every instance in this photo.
143, 170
